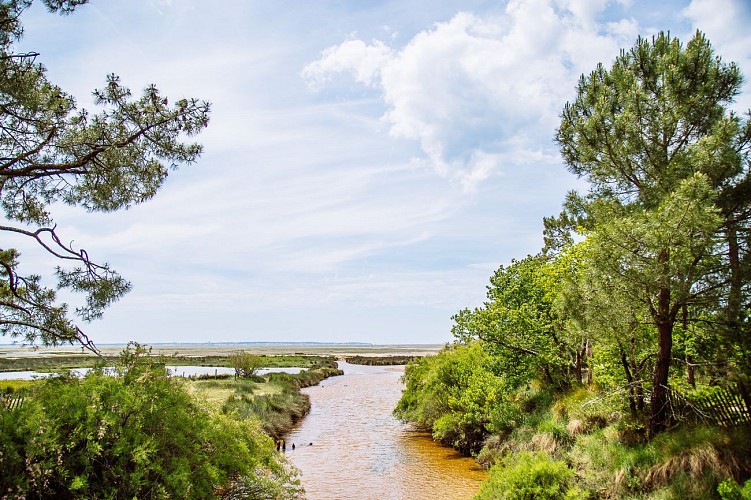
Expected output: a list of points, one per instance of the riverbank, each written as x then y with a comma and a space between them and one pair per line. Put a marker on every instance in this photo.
381, 360
582, 441
52, 363
274, 399
224, 349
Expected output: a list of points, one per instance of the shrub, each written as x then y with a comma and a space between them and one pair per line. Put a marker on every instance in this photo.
133, 433
730, 490
527, 475
245, 364
457, 395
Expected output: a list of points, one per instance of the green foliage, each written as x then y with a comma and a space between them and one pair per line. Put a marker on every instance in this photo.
686, 463
11, 386
278, 404
642, 287
527, 475
635, 130
520, 323
667, 211
133, 433
246, 365
634, 255
458, 396
52, 152
730, 490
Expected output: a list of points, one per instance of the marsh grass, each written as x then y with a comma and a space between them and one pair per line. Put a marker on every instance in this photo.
51, 362
273, 399
380, 360
13, 386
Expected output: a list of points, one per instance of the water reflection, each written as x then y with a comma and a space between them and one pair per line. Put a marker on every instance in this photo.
359, 450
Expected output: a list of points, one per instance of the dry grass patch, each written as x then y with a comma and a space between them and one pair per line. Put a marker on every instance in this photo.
697, 462
545, 442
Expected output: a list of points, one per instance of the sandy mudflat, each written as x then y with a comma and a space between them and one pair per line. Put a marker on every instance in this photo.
13, 351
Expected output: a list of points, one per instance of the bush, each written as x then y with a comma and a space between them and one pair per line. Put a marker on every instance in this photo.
245, 364
527, 475
730, 490
134, 433
457, 396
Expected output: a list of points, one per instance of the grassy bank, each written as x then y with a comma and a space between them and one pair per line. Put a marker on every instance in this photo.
132, 432
380, 360
581, 445
275, 399
583, 441
13, 386
53, 362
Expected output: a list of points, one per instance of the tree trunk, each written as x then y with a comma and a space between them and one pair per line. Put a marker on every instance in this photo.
630, 380
548, 375
690, 371
736, 283
690, 368
578, 367
660, 415
637, 376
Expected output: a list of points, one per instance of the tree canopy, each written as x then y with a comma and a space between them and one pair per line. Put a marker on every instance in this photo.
664, 155
51, 151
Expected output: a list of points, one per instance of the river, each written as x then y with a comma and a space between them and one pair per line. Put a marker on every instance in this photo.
360, 451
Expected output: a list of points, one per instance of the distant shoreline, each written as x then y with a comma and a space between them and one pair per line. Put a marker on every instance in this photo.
225, 348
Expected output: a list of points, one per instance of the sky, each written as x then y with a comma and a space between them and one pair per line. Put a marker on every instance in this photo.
368, 164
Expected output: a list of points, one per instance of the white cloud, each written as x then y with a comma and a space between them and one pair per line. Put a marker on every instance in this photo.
363, 60
465, 87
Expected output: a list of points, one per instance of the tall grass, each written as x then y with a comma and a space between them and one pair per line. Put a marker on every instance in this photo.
274, 399
607, 452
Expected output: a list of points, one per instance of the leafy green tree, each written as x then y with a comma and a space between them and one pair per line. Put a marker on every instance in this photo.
459, 395
51, 151
611, 326
245, 364
134, 433
520, 324
663, 155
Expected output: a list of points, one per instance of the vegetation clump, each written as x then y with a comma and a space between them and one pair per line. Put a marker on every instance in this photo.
280, 409
134, 433
246, 364
379, 360
528, 475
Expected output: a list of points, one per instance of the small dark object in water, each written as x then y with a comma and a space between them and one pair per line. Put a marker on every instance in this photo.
310, 444
293, 446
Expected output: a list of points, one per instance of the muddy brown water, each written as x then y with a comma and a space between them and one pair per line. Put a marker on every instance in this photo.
360, 451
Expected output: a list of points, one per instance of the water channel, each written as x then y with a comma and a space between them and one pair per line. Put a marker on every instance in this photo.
360, 451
